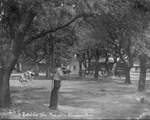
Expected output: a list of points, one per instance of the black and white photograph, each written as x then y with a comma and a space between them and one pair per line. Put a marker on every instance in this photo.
74, 59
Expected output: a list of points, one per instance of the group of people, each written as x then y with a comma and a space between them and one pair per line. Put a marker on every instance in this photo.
28, 75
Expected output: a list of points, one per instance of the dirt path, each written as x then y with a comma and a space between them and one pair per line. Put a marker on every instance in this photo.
83, 98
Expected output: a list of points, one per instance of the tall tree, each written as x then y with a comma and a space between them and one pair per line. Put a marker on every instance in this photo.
142, 42
17, 19
141, 85
118, 19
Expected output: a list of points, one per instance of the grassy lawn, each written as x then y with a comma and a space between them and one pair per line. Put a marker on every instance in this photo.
105, 98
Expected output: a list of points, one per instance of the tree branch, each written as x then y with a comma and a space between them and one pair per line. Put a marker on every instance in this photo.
44, 32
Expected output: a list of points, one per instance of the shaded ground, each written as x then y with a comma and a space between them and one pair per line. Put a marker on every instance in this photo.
106, 98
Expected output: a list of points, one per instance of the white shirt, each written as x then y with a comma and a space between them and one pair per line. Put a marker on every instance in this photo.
58, 74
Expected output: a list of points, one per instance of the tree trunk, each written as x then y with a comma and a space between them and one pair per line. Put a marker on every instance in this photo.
5, 73
20, 67
17, 67
80, 68
96, 69
141, 85
127, 75
5, 100
89, 64
106, 61
48, 69
85, 64
36, 69
128, 64
106, 65
113, 71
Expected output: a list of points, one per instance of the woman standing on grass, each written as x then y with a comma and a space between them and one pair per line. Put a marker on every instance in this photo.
57, 78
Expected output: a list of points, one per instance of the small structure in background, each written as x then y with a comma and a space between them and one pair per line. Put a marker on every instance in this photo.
74, 66
120, 69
